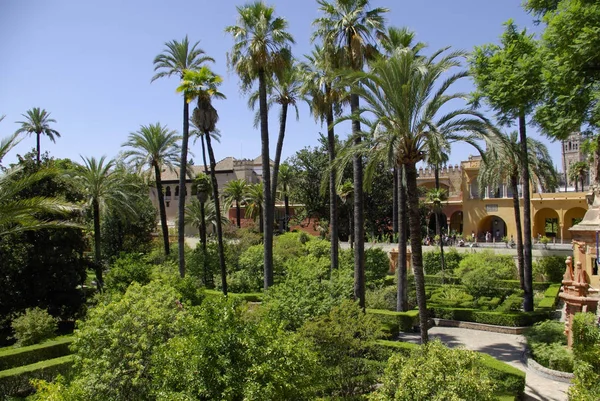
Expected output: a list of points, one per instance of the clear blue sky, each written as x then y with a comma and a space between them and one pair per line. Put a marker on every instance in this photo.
89, 63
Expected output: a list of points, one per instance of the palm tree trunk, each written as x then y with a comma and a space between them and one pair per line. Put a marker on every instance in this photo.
514, 185
527, 257
564, 164
351, 226
333, 209
359, 227
401, 268
38, 147
266, 176
416, 247
97, 245
286, 201
203, 227
395, 202
238, 214
182, 191
215, 187
261, 227
204, 155
278, 150
438, 222
161, 208
576, 188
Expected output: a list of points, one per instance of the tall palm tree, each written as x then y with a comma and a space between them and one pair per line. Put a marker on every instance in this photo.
346, 192
235, 191
406, 94
436, 197
37, 121
104, 186
157, 147
286, 178
261, 49
175, 59
578, 171
501, 165
203, 85
352, 25
325, 96
254, 203
197, 133
203, 186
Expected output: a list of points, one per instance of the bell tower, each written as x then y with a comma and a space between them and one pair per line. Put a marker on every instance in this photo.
571, 153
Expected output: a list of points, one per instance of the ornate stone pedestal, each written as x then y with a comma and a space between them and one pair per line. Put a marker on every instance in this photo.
394, 260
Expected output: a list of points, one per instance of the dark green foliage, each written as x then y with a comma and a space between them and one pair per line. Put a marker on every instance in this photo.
435, 372
521, 319
195, 262
586, 339
451, 296
487, 303
547, 332
396, 321
33, 326
551, 268
16, 381
550, 297
15, 357
512, 303
432, 262
381, 297
344, 342
377, 265
481, 273
318, 248
547, 342
126, 269
249, 276
292, 245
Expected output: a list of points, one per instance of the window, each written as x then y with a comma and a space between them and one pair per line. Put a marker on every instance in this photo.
594, 266
177, 190
168, 192
551, 227
474, 190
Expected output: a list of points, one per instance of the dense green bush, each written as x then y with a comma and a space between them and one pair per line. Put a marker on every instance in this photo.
435, 372
126, 269
250, 276
204, 267
502, 267
344, 342
550, 298
547, 332
451, 296
289, 246
33, 326
383, 297
519, 319
480, 283
550, 268
12, 357
394, 322
553, 356
487, 303
512, 303
432, 262
17, 381
377, 265
586, 339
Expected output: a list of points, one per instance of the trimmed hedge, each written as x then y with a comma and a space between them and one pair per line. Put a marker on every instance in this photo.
248, 297
506, 284
394, 322
16, 381
12, 357
550, 299
514, 319
509, 380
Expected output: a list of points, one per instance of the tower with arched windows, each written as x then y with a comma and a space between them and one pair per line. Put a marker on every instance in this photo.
571, 153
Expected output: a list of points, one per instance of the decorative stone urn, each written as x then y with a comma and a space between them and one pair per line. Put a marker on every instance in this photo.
394, 260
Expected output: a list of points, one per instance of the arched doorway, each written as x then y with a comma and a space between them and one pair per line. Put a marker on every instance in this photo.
545, 223
493, 225
456, 222
431, 226
572, 217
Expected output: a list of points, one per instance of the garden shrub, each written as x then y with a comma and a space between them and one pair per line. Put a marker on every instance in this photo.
550, 268
17, 381
502, 267
450, 296
432, 262
33, 326
126, 269
513, 319
319, 248
512, 303
547, 332
553, 356
288, 246
250, 276
487, 303
480, 283
195, 262
550, 298
344, 342
383, 297
435, 372
15, 357
394, 322
377, 265
586, 339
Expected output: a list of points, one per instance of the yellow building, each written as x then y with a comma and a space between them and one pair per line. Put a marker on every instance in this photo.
466, 212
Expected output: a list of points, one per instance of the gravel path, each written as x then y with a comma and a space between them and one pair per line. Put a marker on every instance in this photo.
507, 348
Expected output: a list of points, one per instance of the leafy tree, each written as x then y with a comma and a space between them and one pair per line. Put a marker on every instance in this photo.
435, 372
254, 204
577, 172
155, 146
508, 77
197, 133
502, 163
346, 192
37, 121
351, 25
261, 49
175, 60
203, 85
286, 180
103, 187
436, 197
235, 191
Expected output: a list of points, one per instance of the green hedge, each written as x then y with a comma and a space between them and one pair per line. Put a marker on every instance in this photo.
394, 322
514, 319
248, 297
16, 381
509, 380
550, 298
12, 357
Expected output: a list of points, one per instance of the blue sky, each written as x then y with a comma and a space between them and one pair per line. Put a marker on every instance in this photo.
89, 63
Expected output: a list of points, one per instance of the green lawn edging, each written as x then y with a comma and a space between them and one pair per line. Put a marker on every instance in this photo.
509, 380
16, 380
395, 322
508, 319
11, 357
550, 299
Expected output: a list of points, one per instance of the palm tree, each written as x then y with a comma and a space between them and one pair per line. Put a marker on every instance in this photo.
286, 177
324, 94
261, 49
254, 203
502, 164
203, 85
197, 133
203, 188
578, 171
155, 146
104, 186
38, 121
175, 60
351, 24
405, 95
235, 191
436, 197
346, 192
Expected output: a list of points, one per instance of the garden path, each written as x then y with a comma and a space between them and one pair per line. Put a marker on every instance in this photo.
507, 348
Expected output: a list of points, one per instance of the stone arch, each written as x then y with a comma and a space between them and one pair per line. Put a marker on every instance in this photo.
177, 190
456, 222
168, 191
494, 225
572, 217
431, 225
546, 223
